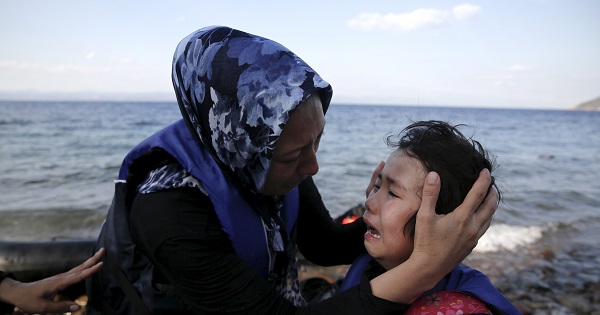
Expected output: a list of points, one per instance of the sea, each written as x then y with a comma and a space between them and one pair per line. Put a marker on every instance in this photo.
58, 161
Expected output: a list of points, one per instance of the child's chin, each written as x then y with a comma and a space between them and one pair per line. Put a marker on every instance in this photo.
370, 251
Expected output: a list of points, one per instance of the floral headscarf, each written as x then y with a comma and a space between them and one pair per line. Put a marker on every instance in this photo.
237, 91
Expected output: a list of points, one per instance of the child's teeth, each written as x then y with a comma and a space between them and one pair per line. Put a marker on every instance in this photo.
374, 233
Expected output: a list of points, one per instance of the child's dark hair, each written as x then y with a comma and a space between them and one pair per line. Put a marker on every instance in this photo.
444, 149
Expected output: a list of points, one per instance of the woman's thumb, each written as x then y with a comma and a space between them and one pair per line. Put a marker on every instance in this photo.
431, 190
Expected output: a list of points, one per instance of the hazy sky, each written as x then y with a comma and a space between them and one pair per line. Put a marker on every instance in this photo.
509, 53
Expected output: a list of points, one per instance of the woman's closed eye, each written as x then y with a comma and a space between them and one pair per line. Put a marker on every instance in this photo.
288, 158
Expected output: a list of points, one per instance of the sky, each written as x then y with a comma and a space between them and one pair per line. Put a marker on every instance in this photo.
539, 54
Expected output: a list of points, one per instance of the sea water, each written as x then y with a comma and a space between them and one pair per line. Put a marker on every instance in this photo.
58, 161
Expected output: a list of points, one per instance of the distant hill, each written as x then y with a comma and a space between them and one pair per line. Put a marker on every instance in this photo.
590, 105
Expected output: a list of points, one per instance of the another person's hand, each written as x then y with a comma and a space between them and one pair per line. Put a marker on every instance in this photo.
376, 173
446, 240
37, 297
441, 242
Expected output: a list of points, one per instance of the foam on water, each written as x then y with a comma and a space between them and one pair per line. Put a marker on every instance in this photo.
507, 237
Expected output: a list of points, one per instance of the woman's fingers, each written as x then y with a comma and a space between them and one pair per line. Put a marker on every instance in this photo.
476, 195
79, 273
90, 261
485, 211
376, 173
427, 230
431, 190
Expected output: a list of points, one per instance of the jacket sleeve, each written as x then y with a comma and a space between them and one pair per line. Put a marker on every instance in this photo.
356, 300
320, 240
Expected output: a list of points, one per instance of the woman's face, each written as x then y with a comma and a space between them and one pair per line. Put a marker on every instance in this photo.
394, 199
295, 157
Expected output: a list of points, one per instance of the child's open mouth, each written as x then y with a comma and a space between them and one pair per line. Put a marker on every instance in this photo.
373, 232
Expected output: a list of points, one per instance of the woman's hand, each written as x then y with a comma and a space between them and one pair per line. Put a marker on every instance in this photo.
441, 241
376, 173
448, 239
36, 297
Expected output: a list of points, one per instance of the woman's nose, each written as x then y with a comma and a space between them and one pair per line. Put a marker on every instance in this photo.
310, 165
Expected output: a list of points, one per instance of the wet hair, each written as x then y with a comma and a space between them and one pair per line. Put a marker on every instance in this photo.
442, 148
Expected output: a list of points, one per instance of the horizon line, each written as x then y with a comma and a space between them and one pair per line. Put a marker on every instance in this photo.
160, 97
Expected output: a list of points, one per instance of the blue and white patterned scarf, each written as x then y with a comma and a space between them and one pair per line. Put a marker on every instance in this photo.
236, 91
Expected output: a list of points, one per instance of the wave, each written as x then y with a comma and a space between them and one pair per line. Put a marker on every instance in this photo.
144, 123
16, 121
508, 237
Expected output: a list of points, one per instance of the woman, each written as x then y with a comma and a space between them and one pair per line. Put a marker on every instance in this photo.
391, 214
207, 212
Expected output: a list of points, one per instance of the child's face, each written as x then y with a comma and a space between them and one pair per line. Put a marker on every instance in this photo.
394, 199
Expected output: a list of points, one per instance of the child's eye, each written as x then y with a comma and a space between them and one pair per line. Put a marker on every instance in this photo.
391, 193
376, 188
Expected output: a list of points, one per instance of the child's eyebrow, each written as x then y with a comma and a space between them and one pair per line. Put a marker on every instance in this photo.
393, 182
